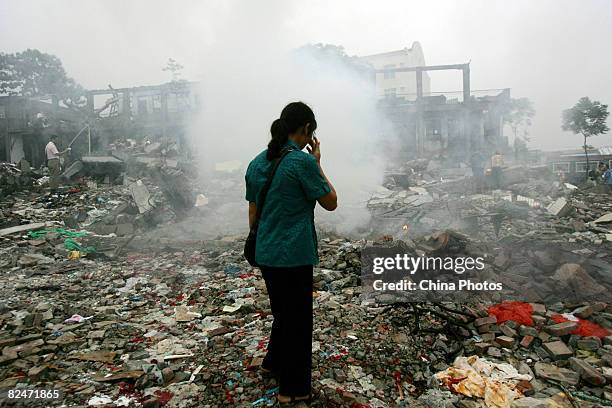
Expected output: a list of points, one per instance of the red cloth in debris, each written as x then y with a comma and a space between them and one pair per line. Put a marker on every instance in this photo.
520, 312
585, 328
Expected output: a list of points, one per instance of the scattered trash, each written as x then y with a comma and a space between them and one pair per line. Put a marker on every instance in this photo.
480, 378
99, 401
74, 255
72, 245
77, 319
519, 312
59, 231
159, 316
585, 328
232, 269
201, 200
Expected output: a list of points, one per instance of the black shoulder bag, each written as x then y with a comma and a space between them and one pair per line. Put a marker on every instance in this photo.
251, 241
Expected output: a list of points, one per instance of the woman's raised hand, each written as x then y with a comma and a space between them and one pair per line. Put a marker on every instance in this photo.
314, 148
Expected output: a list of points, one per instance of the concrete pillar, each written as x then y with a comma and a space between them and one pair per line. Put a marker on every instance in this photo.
466, 83
420, 125
500, 130
444, 131
4, 132
466, 129
164, 112
419, 83
481, 131
127, 108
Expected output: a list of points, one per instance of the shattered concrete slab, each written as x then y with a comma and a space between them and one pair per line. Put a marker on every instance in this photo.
560, 207
185, 322
140, 194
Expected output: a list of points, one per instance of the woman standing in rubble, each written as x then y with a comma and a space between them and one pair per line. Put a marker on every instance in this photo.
286, 249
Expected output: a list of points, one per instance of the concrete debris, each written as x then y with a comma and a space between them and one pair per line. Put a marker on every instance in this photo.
152, 147
562, 329
587, 372
604, 219
552, 372
72, 170
529, 402
103, 166
17, 177
578, 283
201, 200
558, 350
151, 314
560, 207
141, 196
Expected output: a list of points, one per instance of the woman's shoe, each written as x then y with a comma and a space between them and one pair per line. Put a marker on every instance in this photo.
295, 401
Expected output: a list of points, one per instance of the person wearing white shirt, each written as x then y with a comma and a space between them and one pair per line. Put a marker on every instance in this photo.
53, 162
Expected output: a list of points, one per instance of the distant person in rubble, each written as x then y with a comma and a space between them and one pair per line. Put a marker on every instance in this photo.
286, 247
598, 174
53, 161
497, 162
607, 178
561, 176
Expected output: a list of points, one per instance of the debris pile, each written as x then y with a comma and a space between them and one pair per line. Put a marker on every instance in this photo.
112, 318
18, 177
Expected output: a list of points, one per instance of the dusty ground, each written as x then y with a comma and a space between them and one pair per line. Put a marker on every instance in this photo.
167, 316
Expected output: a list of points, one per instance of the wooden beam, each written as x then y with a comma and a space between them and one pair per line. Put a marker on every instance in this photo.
23, 228
466, 83
425, 68
419, 83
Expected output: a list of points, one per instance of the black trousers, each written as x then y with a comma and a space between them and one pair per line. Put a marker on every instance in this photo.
290, 346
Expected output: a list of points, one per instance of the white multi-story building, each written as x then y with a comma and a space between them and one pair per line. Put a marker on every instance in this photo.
400, 84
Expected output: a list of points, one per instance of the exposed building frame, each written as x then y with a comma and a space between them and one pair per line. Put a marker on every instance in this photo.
420, 123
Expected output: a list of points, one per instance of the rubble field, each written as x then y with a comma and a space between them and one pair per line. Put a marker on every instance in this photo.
101, 301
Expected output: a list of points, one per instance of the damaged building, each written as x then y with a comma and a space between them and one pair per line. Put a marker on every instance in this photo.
450, 124
128, 285
573, 162
26, 123
398, 83
157, 113
109, 127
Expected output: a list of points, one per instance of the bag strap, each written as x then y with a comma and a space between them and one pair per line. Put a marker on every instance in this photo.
266, 187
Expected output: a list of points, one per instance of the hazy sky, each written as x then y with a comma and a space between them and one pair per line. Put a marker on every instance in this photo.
552, 51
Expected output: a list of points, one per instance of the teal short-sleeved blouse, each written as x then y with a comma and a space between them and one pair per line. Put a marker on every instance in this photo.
286, 235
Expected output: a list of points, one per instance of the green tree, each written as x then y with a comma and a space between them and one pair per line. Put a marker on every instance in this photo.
174, 68
586, 118
519, 117
35, 73
334, 54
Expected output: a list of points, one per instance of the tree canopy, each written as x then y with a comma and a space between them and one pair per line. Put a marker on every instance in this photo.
586, 118
519, 115
334, 54
174, 68
35, 73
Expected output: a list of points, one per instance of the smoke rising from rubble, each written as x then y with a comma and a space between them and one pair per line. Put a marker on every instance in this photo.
549, 50
245, 86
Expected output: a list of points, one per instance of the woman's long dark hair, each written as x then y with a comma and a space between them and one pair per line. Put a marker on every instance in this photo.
294, 116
